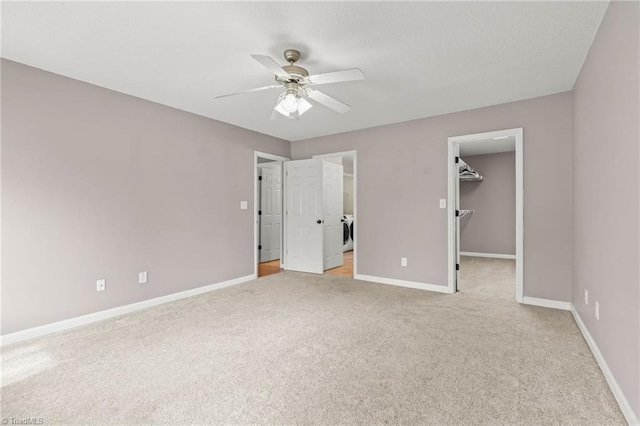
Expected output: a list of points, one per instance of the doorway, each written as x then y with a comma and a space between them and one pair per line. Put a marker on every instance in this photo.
268, 218
287, 250
349, 162
485, 216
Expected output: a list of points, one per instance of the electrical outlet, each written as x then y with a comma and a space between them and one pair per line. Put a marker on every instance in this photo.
597, 310
101, 285
403, 261
586, 296
142, 277
443, 203
243, 205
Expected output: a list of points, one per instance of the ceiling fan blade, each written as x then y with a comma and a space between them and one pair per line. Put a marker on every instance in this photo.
271, 65
328, 101
257, 89
337, 76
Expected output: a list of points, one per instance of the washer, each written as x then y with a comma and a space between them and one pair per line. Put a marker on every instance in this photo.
345, 231
347, 227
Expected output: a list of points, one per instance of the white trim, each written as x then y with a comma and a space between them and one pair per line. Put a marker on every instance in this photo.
492, 255
519, 214
624, 404
353, 154
272, 157
452, 171
451, 197
42, 330
275, 158
547, 303
402, 283
268, 164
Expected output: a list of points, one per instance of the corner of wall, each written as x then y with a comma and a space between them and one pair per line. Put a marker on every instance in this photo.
606, 107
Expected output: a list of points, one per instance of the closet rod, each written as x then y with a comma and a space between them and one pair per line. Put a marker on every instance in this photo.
463, 213
471, 178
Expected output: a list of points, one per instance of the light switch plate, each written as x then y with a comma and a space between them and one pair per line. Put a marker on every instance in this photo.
243, 205
403, 261
443, 203
142, 277
101, 285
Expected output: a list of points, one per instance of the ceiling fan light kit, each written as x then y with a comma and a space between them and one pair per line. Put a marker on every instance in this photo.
290, 102
298, 85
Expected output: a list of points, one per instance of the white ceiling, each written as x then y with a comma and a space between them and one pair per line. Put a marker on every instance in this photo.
488, 146
420, 58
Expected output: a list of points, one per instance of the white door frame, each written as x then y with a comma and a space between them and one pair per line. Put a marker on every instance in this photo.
353, 154
256, 230
451, 195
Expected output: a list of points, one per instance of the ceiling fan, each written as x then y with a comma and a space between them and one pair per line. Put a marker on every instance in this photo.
299, 86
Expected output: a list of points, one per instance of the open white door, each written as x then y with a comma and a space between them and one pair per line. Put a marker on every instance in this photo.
332, 204
313, 216
304, 216
270, 212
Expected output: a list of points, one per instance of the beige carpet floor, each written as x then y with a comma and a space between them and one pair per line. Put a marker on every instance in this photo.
293, 348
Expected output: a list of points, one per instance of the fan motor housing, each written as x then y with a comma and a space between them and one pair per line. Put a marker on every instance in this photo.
296, 71
291, 55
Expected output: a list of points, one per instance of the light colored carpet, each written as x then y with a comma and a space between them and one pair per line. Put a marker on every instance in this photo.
304, 349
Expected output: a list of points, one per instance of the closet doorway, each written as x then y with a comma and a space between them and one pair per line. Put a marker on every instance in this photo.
349, 162
485, 214
268, 208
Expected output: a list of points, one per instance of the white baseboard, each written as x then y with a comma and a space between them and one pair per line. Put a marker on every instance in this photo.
402, 283
30, 333
547, 303
492, 255
624, 404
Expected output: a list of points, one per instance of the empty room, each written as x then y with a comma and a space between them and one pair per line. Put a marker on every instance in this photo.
320, 212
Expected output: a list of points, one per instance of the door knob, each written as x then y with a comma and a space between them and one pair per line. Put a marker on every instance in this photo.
318, 221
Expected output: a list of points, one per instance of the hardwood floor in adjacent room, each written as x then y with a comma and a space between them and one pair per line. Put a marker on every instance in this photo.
273, 267
268, 268
346, 270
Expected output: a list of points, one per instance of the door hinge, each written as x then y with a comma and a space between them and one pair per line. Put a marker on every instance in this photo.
260, 213
259, 177
457, 213
457, 266
260, 247
457, 160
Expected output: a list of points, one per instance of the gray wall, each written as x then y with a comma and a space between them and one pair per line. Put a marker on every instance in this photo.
402, 174
492, 226
606, 194
97, 184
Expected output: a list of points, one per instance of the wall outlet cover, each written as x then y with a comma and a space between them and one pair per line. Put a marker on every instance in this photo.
142, 277
403, 261
101, 285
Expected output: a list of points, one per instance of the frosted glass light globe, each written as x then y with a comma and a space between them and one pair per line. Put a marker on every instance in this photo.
290, 102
